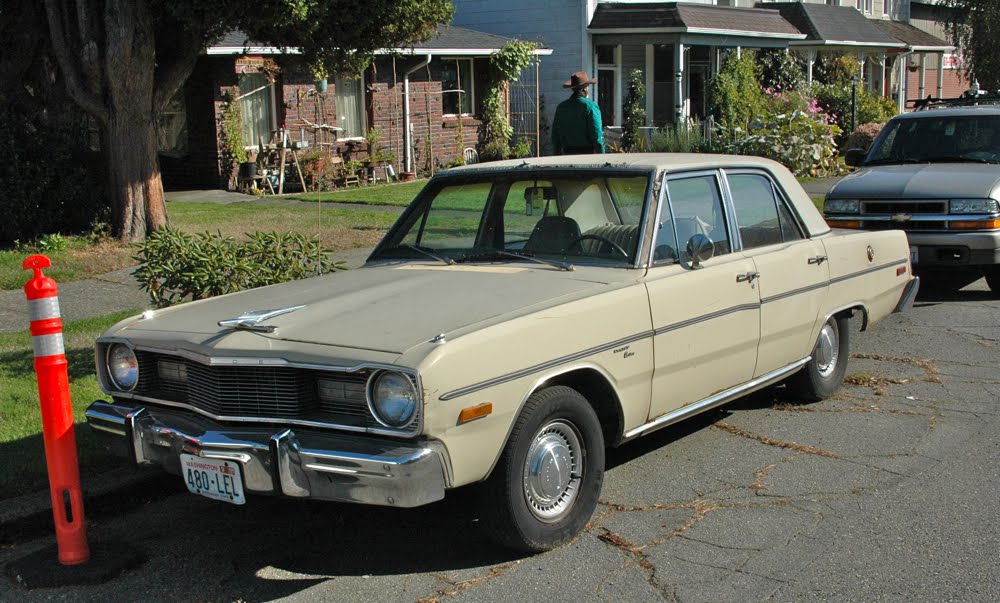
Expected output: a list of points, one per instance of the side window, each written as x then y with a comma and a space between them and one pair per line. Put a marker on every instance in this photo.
762, 218
697, 207
665, 245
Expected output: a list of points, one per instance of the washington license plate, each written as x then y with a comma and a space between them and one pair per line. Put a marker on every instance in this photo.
213, 478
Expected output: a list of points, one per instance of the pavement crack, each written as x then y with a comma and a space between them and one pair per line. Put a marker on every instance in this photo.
769, 441
931, 374
454, 587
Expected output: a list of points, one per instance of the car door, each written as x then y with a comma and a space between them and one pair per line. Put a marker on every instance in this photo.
706, 316
792, 271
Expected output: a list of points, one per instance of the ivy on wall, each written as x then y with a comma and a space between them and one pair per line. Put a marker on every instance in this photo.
505, 66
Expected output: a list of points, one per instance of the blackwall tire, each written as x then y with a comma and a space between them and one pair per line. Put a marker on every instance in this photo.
545, 486
825, 372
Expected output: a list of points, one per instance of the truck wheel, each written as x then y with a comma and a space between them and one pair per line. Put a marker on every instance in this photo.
545, 487
825, 372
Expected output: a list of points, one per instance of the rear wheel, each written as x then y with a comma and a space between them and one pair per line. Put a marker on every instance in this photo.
825, 372
545, 487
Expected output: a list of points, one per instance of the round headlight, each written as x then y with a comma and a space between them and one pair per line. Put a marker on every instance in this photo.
123, 368
393, 399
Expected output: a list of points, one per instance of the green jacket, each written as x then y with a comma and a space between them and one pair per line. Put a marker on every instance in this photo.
577, 125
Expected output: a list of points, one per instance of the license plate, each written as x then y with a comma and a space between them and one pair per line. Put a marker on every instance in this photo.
914, 254
213, 478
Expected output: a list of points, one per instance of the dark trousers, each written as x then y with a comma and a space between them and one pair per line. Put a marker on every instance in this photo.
578, 151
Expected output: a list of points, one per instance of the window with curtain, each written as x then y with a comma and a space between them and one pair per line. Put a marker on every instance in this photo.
256, 106
457, 87
350, 106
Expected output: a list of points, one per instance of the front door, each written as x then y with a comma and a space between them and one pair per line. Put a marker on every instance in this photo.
706, 318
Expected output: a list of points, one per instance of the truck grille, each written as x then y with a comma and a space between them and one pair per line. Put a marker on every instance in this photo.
269, 393
891, 207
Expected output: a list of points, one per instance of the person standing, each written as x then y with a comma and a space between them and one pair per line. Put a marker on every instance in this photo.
577, 128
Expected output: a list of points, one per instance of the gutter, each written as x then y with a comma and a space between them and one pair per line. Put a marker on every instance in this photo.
407, 134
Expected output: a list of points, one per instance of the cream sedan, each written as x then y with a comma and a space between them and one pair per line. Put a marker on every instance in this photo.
519, 318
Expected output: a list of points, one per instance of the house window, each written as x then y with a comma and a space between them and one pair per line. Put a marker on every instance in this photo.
457, 87
865, 6
608, 70
257, 107
350, 106
172, 134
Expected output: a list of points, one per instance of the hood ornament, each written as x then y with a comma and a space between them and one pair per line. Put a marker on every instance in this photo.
250, 321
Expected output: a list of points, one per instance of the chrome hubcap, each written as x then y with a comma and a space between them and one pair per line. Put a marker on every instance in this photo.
827, 349
553, 470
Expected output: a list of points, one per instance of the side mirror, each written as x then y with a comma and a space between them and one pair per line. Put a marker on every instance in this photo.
699, 249
854, 157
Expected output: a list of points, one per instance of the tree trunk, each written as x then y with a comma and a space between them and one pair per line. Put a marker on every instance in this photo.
133, 171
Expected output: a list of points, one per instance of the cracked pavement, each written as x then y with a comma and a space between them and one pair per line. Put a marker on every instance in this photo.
888, 491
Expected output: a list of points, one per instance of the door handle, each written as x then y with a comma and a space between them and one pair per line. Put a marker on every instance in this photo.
819, 259
747, 277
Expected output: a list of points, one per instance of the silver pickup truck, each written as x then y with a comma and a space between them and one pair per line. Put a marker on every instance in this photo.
934, 173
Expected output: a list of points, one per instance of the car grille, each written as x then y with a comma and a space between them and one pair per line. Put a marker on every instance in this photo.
268, 393
904, 208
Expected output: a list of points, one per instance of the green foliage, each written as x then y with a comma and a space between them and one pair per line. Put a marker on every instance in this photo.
779, 70
974, 26
174, 266
505, 66
51, 182
634, 113
835, 99
863, 136
679, 138
231, 148
836, 69
735, 93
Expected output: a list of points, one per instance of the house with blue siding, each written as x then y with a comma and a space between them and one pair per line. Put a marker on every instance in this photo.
678, 46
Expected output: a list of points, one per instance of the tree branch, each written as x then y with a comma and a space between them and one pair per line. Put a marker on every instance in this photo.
89, 99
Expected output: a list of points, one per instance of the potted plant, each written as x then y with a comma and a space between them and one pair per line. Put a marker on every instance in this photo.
319, 75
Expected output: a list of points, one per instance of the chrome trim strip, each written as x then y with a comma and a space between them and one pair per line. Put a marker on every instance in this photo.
699, 319
117, 432
711, 402
794, 292
840, 279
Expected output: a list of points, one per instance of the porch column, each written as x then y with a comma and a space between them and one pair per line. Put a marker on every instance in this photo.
810, 61
679, 99
903, 88
923, 75
650, 81
940, 82
863, 58
882, 61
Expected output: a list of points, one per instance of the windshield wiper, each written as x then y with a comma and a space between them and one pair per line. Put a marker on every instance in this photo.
955, 159
890, 161
499, 253
441, 258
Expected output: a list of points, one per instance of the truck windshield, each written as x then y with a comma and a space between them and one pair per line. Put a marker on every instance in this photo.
935, 138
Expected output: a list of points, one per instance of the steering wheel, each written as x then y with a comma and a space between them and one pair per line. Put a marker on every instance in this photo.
593, 237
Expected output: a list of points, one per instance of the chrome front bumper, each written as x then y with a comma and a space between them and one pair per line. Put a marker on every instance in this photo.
302, 464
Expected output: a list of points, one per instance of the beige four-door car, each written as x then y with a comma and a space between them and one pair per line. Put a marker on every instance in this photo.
518, 318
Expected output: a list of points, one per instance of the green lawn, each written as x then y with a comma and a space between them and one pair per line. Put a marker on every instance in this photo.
398, 195
21, 445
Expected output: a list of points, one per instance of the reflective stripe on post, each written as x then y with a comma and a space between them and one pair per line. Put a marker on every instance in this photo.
57, 413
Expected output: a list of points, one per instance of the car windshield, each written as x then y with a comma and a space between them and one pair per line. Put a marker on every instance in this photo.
556, 219
939, 139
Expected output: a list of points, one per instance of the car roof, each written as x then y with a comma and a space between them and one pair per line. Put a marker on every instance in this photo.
655, 161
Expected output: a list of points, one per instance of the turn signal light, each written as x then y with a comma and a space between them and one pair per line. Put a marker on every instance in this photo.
974, 224
475, 412
844, 223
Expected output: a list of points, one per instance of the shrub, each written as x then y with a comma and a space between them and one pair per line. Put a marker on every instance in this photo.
174, 266
835, 99
779, 70
863, 136
634, 113
735, 92
681, 138
802, 142
51, 182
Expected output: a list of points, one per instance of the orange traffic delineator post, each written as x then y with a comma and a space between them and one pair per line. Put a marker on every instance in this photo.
57, 413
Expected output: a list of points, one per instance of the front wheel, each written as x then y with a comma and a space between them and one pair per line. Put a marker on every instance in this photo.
546, 485
825, 372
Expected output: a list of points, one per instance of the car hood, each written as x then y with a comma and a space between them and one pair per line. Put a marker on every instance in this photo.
919, 181
384, 308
